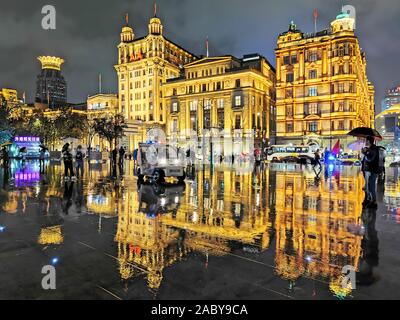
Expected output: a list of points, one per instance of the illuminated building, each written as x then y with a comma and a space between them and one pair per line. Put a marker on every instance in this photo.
51, 87
322, 87
98, 106
144, 64
231, 98
387, 123
392, 97
312, 239
8, 96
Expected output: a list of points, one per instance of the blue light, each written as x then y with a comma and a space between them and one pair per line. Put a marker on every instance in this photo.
54, 261
308, 258
331, 158
2, 228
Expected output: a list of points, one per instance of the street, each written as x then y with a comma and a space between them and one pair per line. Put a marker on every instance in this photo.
278, 232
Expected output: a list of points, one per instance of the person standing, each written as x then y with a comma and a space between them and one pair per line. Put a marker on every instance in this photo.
121, 156
6, 157
114, 154
79, 156
372, 169
68, 163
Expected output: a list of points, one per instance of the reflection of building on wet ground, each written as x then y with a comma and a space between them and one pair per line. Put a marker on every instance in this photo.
311, 224
216, 211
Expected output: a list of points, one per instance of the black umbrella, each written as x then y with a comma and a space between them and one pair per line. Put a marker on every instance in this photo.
364, 132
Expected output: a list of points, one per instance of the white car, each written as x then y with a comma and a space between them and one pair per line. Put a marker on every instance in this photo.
157, 161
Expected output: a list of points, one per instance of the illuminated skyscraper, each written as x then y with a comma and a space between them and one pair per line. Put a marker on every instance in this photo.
51, 87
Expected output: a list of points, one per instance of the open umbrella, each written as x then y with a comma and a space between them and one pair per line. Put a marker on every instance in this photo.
364, 132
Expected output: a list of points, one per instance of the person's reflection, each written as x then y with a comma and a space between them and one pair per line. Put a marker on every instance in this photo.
370, 250
79, 195
114, 171
67, 199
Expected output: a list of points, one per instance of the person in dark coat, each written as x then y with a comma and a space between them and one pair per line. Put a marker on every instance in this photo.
372, 169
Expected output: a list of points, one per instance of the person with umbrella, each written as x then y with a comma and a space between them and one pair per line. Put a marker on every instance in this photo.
372, 169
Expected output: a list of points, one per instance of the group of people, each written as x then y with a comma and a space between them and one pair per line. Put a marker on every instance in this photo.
68, 159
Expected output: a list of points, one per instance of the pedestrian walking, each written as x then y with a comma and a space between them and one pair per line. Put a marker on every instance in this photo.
317, 160
79, 156
372, 169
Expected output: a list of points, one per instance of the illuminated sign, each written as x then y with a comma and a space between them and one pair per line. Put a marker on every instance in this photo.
26, 139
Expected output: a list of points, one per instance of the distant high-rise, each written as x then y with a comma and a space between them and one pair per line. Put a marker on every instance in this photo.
392, 97
51, 87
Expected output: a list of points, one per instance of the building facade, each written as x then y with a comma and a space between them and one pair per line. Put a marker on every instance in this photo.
8, 96
144, 64
51, 87
322, 86
224, 98
98, 106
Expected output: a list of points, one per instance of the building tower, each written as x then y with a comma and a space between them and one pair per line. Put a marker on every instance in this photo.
144, 64
51, 87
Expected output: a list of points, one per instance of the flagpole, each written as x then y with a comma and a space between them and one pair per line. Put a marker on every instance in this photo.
207, 46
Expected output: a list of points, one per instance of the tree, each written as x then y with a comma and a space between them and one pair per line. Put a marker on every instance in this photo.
110, 128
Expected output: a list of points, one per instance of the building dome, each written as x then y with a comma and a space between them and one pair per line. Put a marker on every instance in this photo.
342, 15
343, 23
155, 26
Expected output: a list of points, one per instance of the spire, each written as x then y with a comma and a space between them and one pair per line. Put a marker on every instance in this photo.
127, 18
155, 26
207, 53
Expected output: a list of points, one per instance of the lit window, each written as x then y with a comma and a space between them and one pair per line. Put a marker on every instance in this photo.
238, 101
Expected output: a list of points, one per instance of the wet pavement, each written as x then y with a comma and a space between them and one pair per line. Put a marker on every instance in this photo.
278, 232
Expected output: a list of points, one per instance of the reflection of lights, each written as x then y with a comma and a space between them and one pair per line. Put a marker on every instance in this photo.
331, 158
163, 201
54, 261
2, 228
331, 167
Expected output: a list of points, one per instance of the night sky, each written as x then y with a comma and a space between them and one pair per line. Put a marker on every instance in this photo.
88, 32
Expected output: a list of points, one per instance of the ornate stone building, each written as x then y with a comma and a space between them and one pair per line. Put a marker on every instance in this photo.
144, 64
229, 99
322, 85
